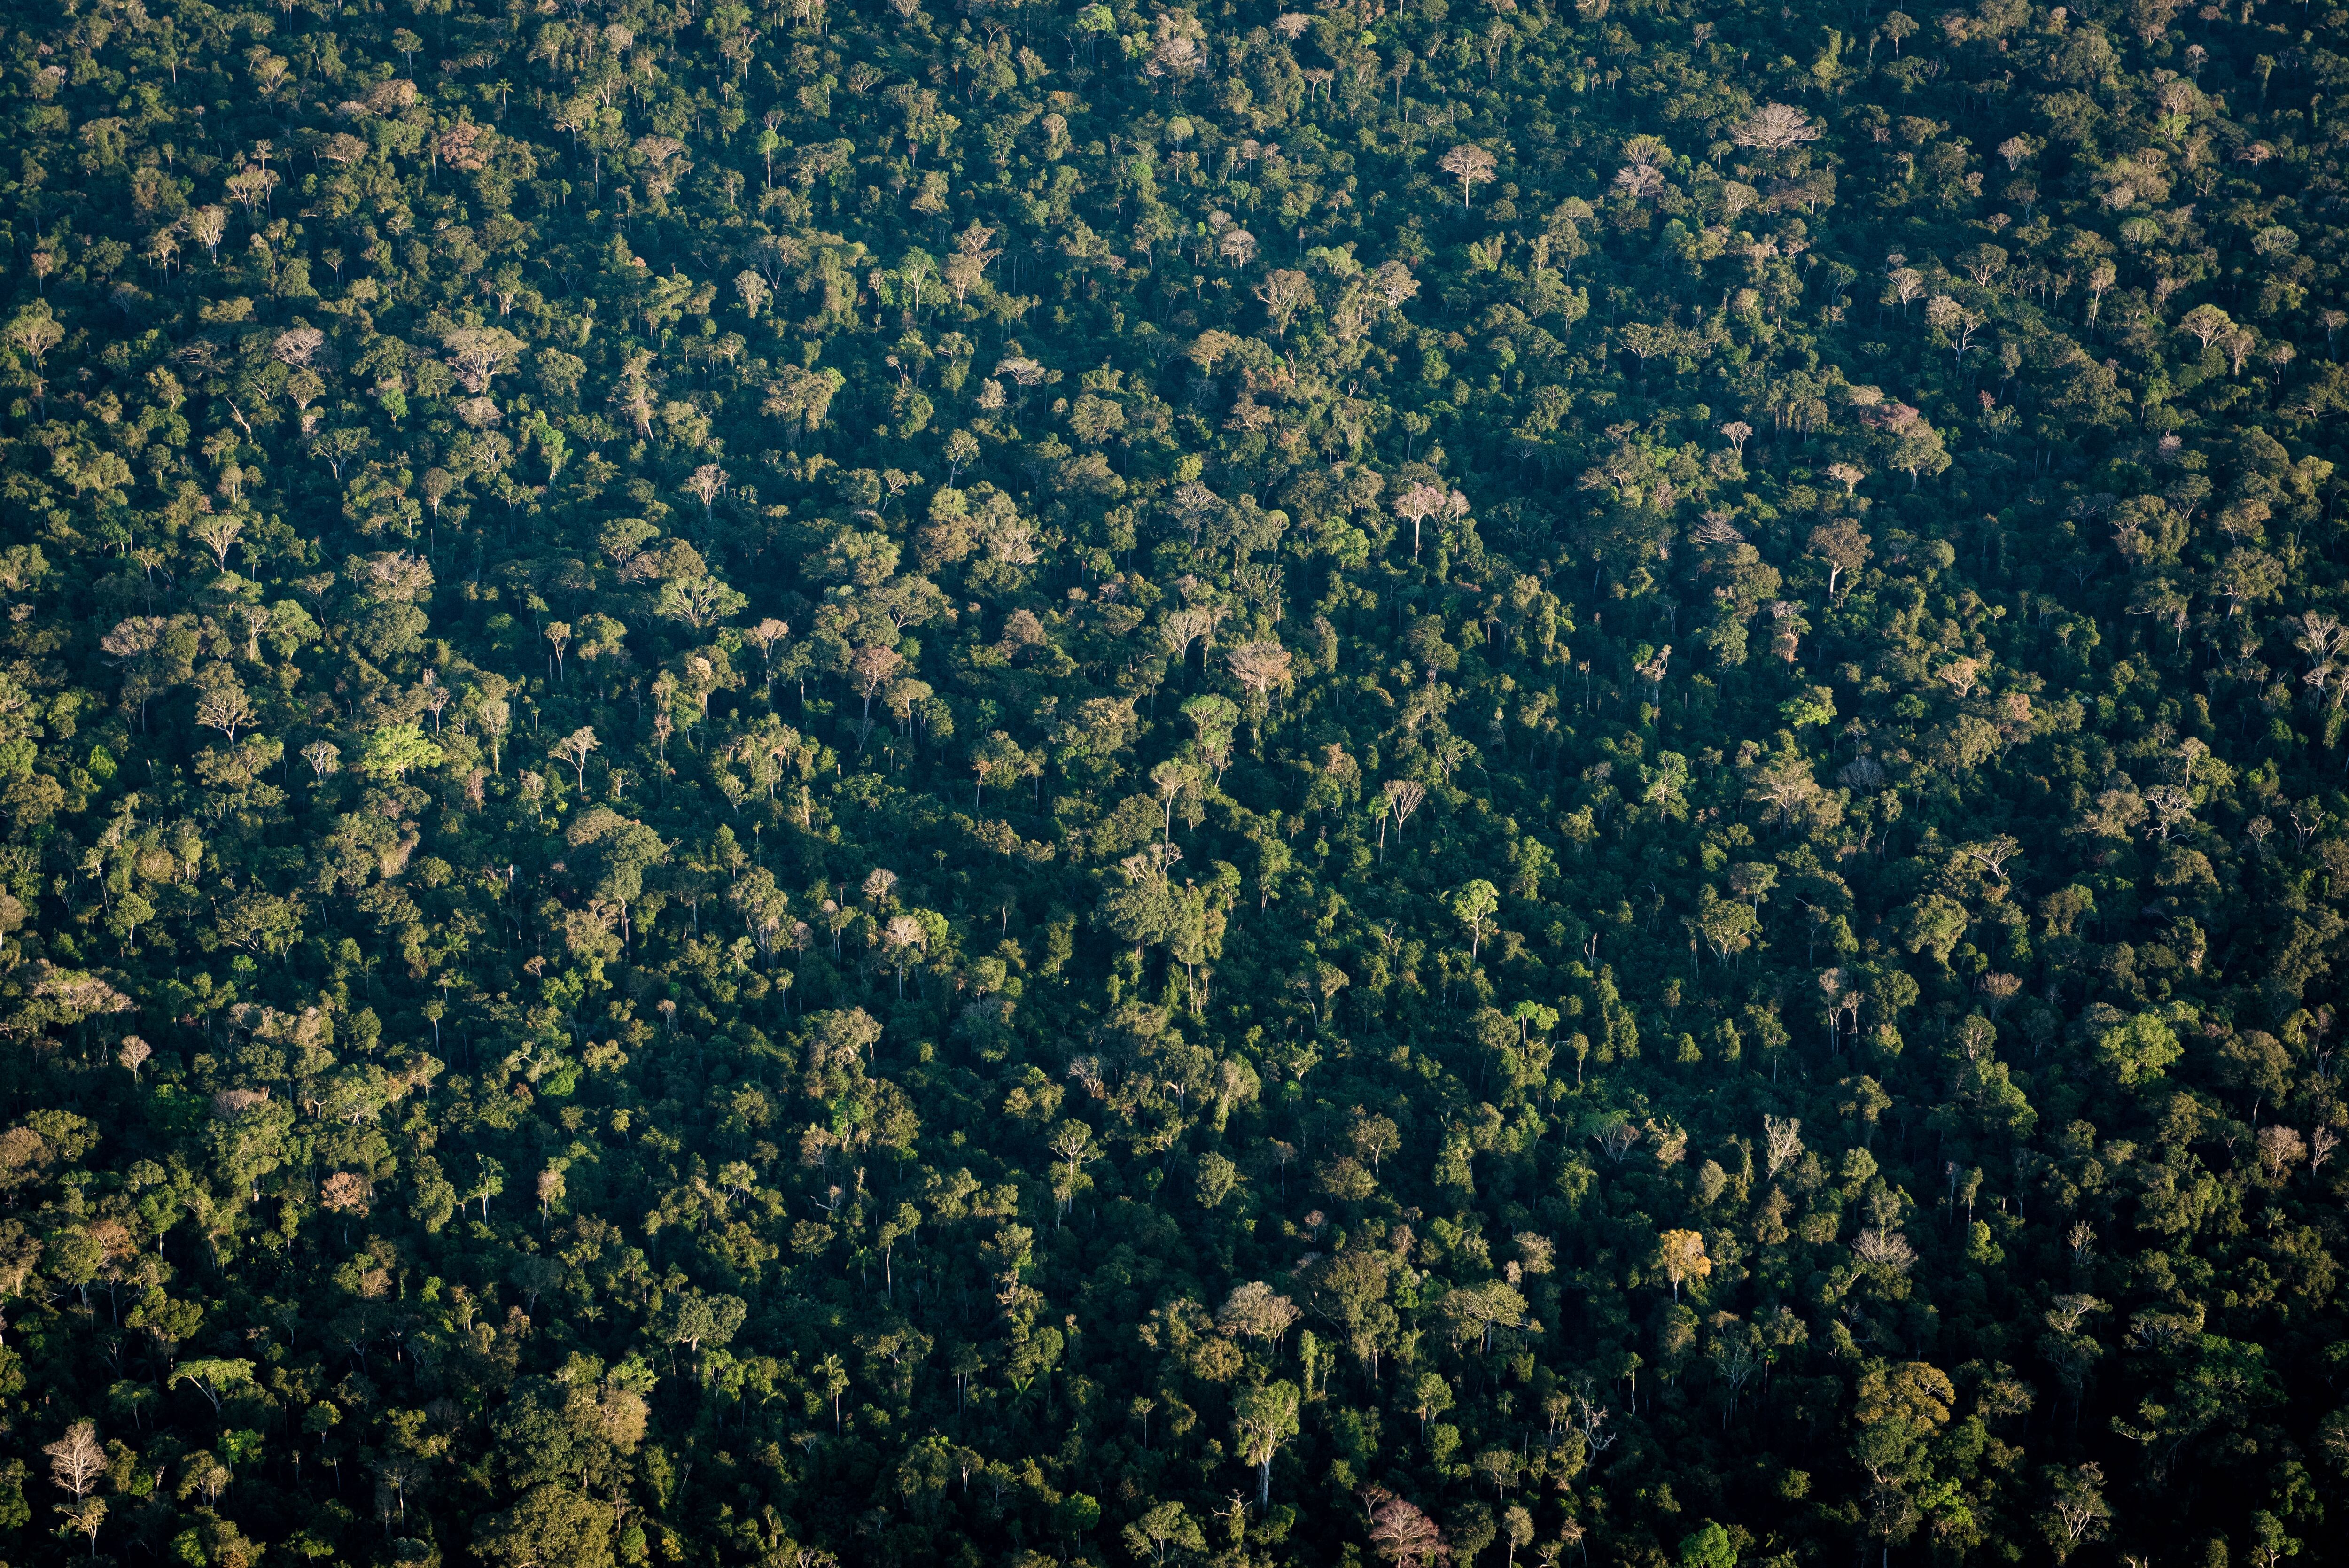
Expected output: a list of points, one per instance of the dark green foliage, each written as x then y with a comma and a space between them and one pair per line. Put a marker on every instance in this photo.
1523, 782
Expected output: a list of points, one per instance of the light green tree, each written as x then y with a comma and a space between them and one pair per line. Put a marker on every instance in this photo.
397, 749
1474, 907
1263, 1419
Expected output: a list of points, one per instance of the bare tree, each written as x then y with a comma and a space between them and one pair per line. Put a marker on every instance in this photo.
77, 1459
1886, 1248
1404, 796
1401, 1533
252, 187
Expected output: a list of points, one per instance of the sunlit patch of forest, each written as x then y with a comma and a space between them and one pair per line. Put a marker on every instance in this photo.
1022, 785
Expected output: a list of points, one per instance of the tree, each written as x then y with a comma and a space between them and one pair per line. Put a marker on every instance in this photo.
77, 1460
700, 602
703, 485
871, 669
1900, 1406
1516, 1526
1375, 1138
1726, 925
2077, 1511
549, 1526
1776, 127
1643, 341
1932, 924
1263, 1419
900, 937
694, 1319
1002, 761
1416, 505
1843, 548
1471, 165
340, 446
33, 332
1680, 1255
2138, 1049
218, 534
1165, 1530
1261, 668
1957, 324
396, 750
1476, 1310
1709, 1547
2206, 324
488, 1181
1472, 906
961, 450
1403, 797
478, 353
1283, 293
213, 1377
85, 1517
224, 708
2269, 1542
1401, 1533
749, 285
207, 226
576, 749
1254, 1311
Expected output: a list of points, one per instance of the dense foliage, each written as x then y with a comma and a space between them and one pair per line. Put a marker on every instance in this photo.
729, 840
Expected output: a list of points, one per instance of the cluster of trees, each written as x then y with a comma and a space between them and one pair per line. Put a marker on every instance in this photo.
729, 840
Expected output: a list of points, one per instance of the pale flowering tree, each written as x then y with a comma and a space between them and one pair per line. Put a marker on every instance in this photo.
1284, 292
1469, 164
1775, 128
703, 486
574, 749
1416, 505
